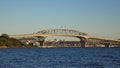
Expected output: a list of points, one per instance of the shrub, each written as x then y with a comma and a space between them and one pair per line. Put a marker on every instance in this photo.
9, 42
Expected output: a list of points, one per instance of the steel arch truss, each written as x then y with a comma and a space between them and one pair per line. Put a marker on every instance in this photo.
61, 32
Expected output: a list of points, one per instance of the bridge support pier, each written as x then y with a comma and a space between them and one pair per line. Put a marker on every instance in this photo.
41, 43
83, 42
41, 40
107, 45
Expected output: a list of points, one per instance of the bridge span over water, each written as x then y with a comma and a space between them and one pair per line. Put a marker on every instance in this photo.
85, 39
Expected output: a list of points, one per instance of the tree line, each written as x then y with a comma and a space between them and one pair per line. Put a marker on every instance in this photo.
5, 40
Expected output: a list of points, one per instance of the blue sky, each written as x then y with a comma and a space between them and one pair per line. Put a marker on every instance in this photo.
94, 17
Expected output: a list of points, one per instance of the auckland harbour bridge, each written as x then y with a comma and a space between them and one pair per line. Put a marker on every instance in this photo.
85, 39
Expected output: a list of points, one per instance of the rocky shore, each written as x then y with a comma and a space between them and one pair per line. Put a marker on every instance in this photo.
3, 46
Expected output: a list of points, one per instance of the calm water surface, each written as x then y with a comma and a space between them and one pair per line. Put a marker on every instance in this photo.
60, 58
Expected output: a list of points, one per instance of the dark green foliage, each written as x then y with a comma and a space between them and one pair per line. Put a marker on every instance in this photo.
15, 41
9, 42
5, 36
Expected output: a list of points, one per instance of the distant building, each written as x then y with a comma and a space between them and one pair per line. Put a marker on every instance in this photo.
28, 41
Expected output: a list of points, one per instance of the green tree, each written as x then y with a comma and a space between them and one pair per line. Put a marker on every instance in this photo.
5, 41
16, 42
5, 36
9, 42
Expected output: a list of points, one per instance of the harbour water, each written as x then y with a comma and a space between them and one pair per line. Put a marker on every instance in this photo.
60, 58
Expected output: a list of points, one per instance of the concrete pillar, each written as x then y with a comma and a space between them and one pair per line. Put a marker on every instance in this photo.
41, 40
41, 43
107, 45
83, 42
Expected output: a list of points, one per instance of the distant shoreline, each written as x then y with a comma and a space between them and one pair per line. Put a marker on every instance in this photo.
3, 47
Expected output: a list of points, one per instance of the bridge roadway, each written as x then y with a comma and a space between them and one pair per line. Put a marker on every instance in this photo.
84, 38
